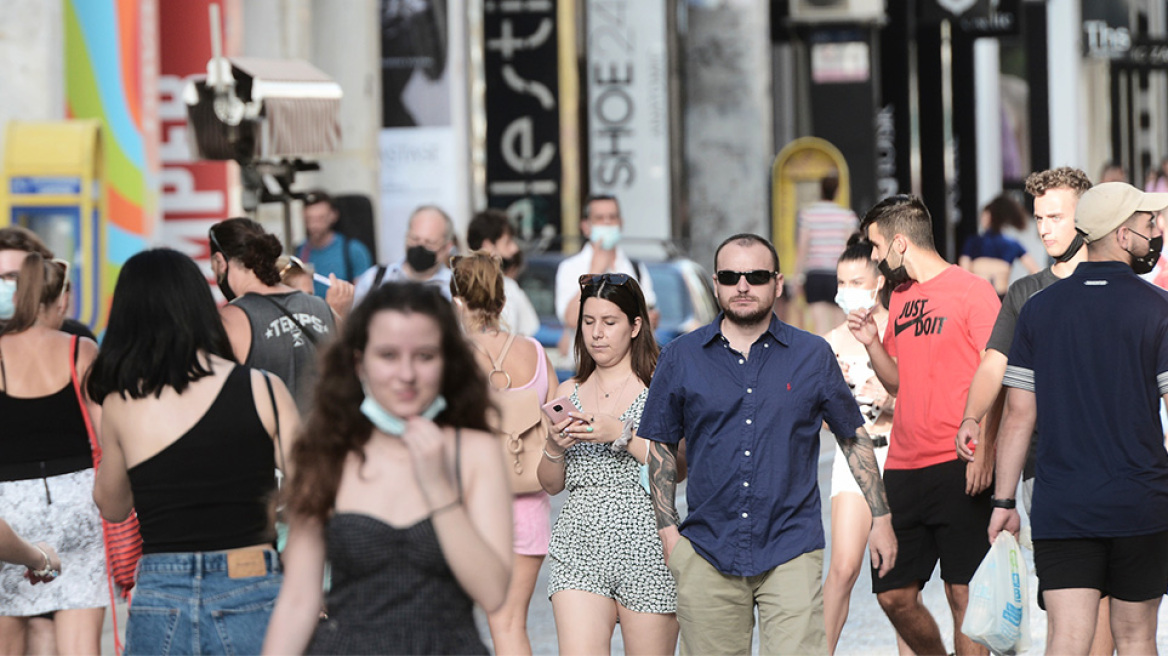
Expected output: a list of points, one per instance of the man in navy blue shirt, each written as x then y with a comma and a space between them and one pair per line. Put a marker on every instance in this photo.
1089, 363
749, 394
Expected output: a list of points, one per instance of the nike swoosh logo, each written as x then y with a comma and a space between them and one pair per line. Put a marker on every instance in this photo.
900, 327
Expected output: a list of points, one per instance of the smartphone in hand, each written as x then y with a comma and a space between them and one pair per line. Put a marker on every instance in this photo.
557, 409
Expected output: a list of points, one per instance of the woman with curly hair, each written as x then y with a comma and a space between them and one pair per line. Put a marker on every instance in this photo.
399, 484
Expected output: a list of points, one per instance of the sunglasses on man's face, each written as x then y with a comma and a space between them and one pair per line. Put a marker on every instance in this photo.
756, 277
597, 279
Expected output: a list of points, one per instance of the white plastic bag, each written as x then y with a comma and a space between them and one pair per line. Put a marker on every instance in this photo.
998, 615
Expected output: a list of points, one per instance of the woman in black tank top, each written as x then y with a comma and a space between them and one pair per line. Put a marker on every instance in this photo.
400, 486
191, 442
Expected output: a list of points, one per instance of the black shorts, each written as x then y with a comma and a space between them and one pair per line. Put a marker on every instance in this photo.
1129, 568
820, 287
934, 518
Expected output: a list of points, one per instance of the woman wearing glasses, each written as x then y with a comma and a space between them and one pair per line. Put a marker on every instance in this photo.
606, 559
46, 464
271, 325
522, 376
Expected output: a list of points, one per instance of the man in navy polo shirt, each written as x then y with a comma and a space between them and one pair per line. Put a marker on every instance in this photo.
1089, 363
749, 394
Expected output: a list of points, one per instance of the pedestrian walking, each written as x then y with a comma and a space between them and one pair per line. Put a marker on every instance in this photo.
749, 394
191, 441
477, 287
271, 326
606, 560
860, 287
46, 462
940, 318
1100, 509
399, 485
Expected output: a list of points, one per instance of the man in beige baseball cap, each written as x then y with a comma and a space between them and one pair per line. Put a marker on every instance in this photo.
1089, 363
1107, 207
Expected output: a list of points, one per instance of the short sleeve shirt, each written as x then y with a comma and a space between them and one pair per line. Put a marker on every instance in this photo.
571, 268
331, 259
1094, 349
995, 245
936, 330
751, 426
1020, 292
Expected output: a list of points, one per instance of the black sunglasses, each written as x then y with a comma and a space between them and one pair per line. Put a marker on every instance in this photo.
598, 279
756, 277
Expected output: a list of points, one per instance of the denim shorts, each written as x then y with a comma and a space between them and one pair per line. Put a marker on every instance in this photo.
185, 603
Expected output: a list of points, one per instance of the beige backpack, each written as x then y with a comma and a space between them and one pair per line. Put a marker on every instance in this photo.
519, 423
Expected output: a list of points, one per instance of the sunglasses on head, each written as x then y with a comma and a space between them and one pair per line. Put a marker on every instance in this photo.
756, 277
597, 279
214, 242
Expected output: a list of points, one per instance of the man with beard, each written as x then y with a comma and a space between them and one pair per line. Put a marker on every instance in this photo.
429, 240
1089, 363
491, 231
749, 393
940, 317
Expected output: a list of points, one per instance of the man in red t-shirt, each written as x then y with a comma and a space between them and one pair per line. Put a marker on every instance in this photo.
939, 320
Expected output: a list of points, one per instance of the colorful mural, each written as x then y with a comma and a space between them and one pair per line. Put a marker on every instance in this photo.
111, 74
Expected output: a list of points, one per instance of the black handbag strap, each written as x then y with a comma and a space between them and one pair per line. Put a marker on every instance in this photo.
303, 329
276, 413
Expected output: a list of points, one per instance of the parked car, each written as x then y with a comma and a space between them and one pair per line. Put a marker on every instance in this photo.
685, 301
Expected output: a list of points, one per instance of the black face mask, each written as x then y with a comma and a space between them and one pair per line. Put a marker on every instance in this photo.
1142, 264
511, 263
421, 258
1076, 244
225, 288
894, 277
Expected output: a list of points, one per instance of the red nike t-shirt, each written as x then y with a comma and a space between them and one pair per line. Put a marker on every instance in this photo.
937, 330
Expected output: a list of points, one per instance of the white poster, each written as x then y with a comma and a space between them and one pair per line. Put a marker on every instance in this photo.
628, 111
424, 138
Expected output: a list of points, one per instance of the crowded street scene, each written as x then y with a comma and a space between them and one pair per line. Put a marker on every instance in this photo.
583, 327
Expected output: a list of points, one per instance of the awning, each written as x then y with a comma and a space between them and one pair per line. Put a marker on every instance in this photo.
268, 109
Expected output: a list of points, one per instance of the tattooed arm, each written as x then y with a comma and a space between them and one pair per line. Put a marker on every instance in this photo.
861, 459
663, 483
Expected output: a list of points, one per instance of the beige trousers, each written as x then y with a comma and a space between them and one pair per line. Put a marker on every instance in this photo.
716, 611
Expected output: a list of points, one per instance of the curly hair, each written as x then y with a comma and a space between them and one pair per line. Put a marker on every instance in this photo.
246, 241
1064, 177
335, 425
631, 301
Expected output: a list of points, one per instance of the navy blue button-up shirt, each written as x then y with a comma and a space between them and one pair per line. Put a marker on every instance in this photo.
752, 440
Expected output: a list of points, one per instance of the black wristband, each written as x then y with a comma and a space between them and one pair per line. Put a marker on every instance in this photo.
1008, 504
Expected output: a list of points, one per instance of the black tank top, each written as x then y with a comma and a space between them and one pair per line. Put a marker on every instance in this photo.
210, 489
42, 436
392, 590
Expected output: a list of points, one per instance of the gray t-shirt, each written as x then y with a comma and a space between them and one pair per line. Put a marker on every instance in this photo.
287, 345
1002, 335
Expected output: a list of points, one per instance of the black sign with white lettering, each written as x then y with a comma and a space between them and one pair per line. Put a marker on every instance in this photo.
522, 110
1003, 20
1146, 54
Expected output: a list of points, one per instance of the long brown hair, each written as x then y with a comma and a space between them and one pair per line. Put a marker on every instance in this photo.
335, 426
631, 301
40, 282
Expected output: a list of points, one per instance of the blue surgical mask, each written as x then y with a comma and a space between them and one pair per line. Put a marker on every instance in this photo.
606, 237
391, 424
7, 298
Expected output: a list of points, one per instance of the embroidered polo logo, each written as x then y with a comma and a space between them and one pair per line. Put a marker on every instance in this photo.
788, 387
915, 315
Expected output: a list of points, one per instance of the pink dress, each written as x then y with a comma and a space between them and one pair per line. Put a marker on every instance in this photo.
532, 512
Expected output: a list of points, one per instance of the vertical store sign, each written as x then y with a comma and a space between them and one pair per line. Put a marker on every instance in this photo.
628, 110
523, 165
194, 193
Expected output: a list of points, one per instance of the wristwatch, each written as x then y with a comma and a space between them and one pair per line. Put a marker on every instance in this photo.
1008, 504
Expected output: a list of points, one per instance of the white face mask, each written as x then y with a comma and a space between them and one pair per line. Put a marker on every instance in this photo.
853, 298
606, 237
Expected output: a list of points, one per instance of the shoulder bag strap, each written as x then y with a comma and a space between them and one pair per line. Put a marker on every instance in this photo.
345, 244
381, 269
75, 342
276, 413
306, 331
